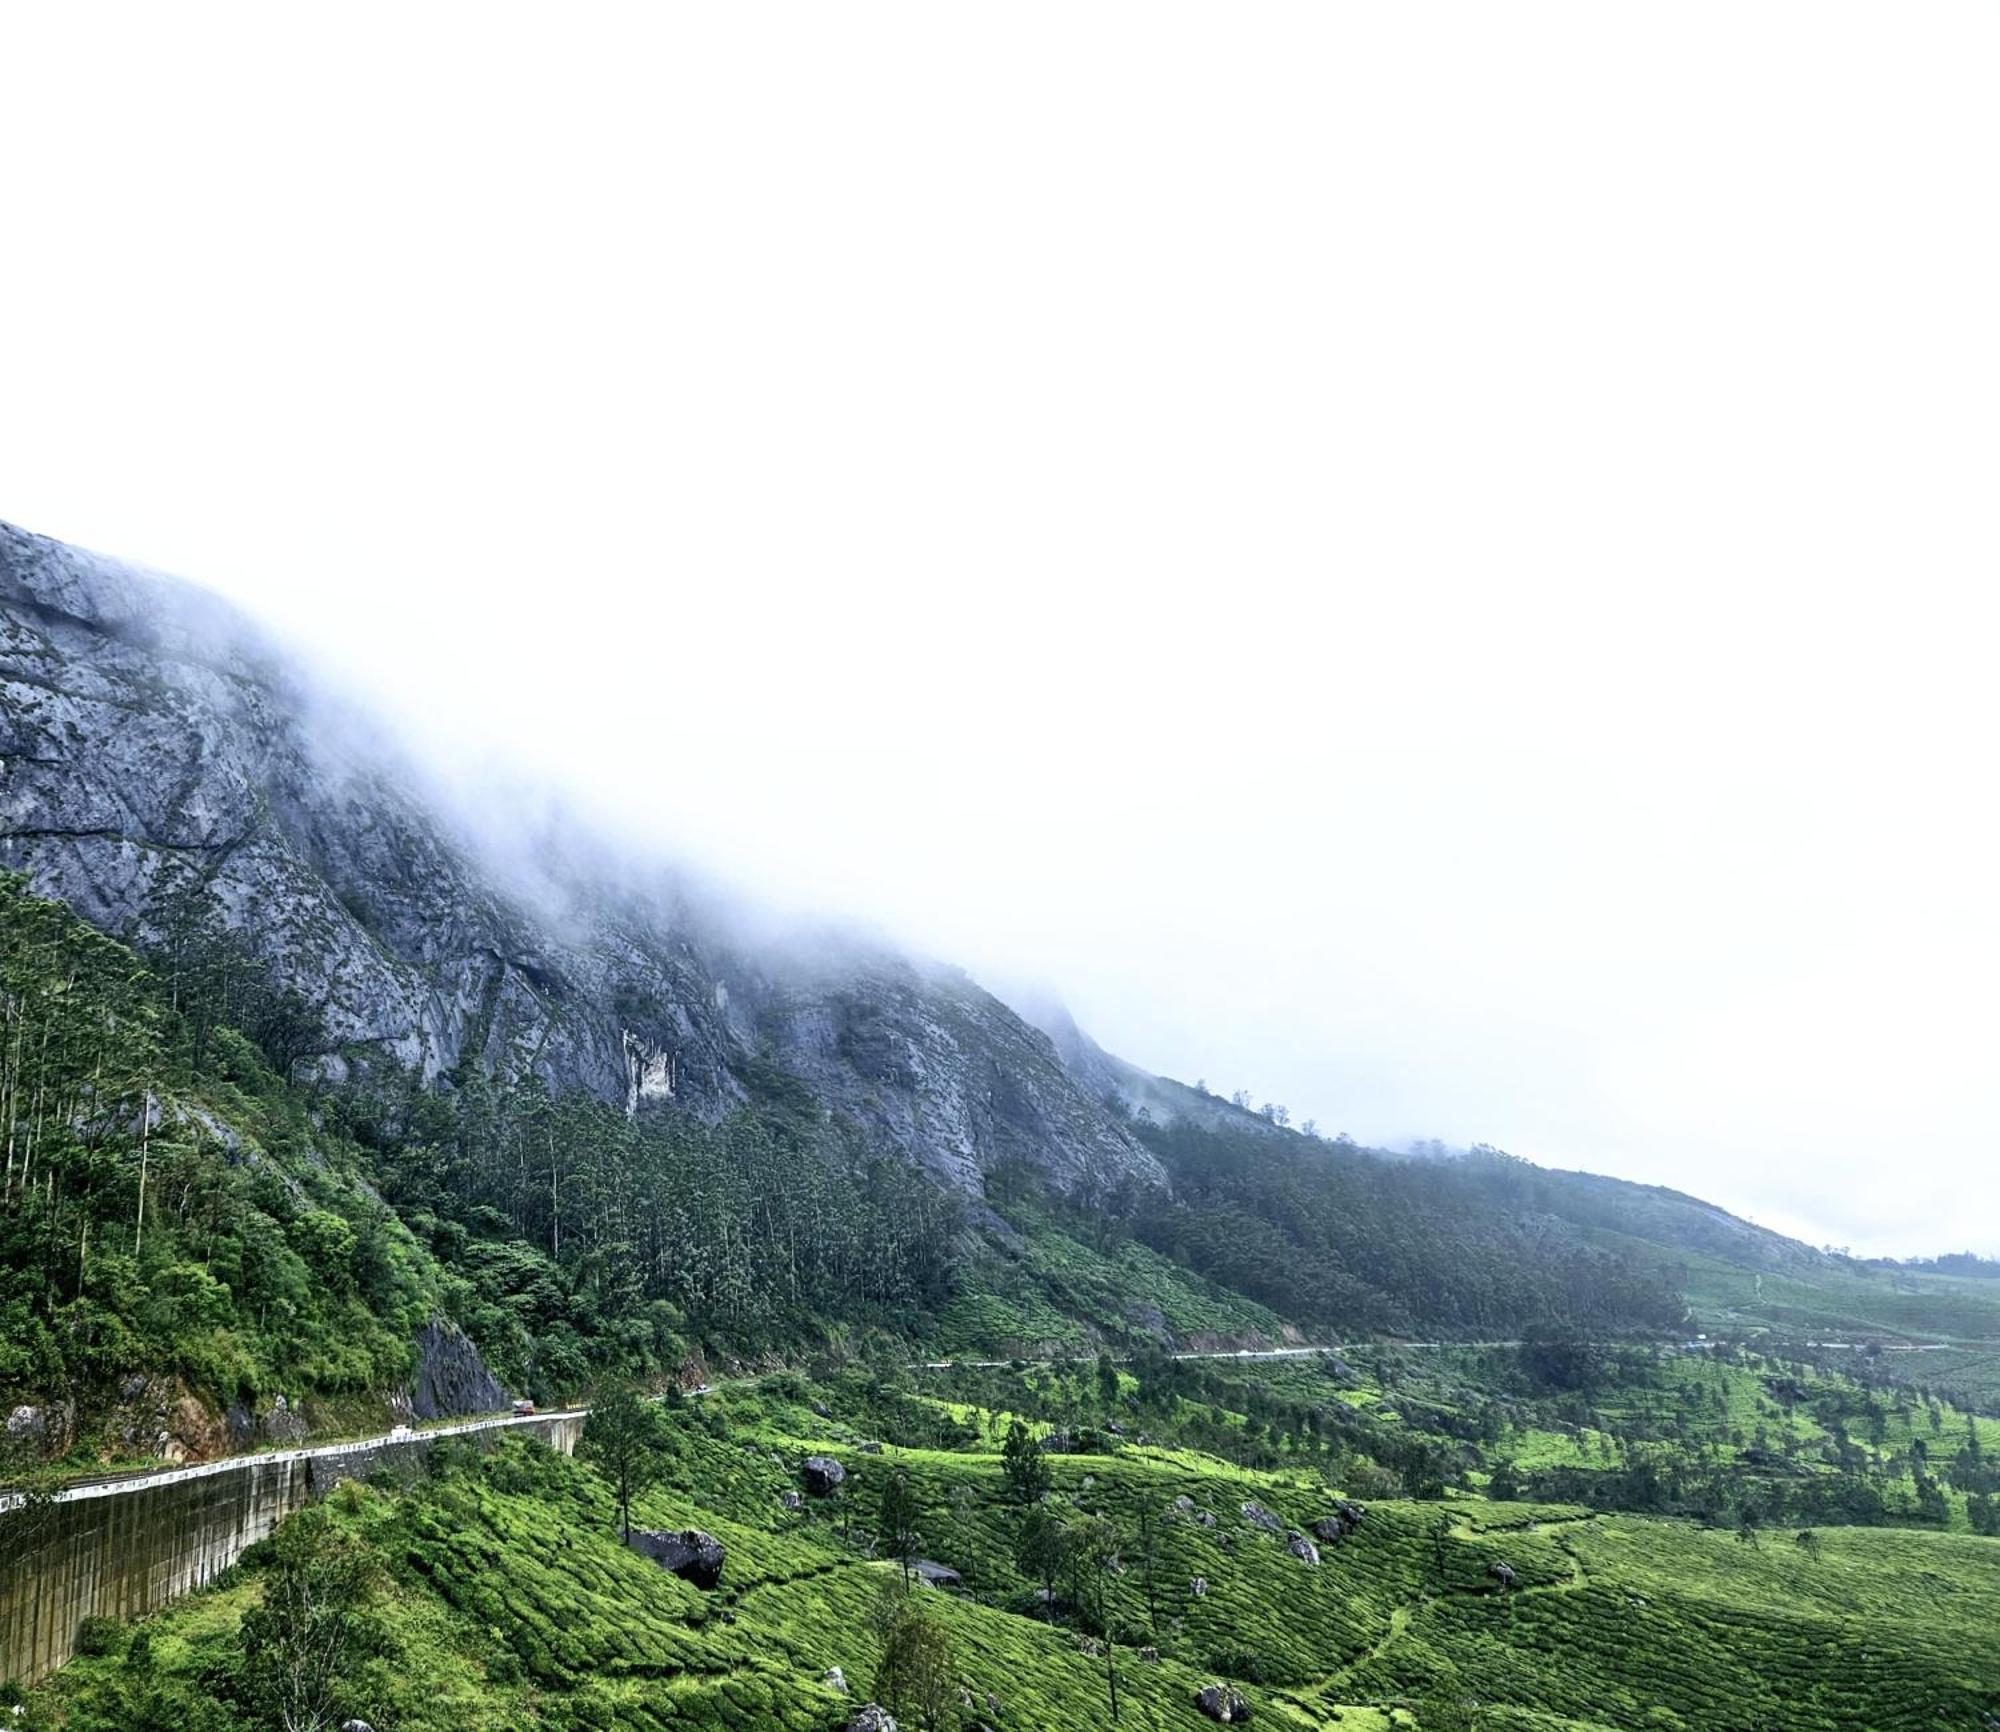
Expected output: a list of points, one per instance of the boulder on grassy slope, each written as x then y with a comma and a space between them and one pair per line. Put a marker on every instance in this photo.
1223, 1702
692, 1555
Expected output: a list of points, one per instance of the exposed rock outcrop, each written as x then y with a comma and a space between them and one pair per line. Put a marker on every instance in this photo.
159, 1416
155, 748
284, 1423
1223, 1702
1346, 1517
691, 1554
32, 1431
1188, 1510
1259, 1517
451, 1377
823, 1475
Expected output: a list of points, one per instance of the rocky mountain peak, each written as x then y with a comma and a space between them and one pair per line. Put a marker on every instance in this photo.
161, 759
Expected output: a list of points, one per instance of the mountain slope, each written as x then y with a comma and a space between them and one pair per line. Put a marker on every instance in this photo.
610, 1129
505, 1598
1127, 1089
189, 1264
315, 1106
161, 762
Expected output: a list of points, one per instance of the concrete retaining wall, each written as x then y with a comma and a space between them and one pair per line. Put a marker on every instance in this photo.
122, 1548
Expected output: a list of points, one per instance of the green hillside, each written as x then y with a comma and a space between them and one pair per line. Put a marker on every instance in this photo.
182, 1214
1733, 1482
172, 1211
499, 1594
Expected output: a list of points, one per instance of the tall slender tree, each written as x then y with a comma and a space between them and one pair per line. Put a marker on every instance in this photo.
1090, 1552
1022, 1461
896, 1530
622, 1435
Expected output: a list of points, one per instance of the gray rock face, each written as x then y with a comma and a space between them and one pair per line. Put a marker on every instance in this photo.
1303, 1549
1223, 1702
282, 1424
1188, 1510
451, 1377
823, 1475
1259, 1517
871, 1717
1332, 1529
692, 1555
153, 745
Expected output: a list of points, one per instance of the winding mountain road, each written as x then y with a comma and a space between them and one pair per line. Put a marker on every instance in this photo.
130, 1479
133, 1479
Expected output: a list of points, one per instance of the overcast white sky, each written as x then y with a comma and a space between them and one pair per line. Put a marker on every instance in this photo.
1434, 562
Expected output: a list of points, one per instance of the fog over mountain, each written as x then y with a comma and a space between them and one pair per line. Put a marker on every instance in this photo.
1395, 628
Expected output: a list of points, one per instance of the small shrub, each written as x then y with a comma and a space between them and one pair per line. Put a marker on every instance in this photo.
98, 1637
1244, 1663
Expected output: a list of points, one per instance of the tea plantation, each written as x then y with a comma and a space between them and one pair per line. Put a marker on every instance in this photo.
496, 1591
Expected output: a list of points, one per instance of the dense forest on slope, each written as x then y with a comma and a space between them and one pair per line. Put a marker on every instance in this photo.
174, 1209
179, 1214
1350, 1241
594, 1238
173, 1216
1964, 1264
177, 1208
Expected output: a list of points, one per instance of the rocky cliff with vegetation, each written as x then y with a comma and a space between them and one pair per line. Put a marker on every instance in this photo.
167, 772
324, 1104
324, 1113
